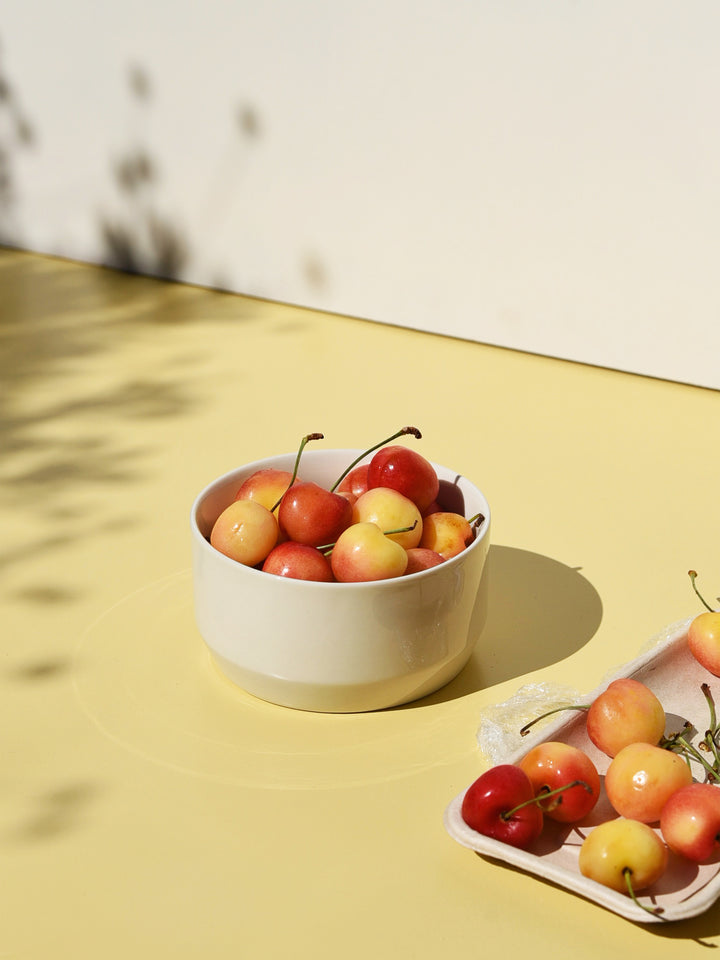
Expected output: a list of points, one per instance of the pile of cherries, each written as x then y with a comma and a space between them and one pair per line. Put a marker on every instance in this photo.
650, 783
386, 518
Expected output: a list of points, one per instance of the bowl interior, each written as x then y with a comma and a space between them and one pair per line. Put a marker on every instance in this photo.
322, 467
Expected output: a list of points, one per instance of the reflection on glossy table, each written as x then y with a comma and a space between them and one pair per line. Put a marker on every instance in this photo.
149, 808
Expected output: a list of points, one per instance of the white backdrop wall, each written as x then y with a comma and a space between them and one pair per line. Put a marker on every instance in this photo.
542, 176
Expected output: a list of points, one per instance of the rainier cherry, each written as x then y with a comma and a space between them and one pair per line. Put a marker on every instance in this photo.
554, 764
625, 855
704, 634
246, 531
446, 533
704, 641
363, 552
390, 510
625, 712
266, 486
690, 822
641, 778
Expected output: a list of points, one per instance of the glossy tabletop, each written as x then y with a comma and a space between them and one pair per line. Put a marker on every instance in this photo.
151, 809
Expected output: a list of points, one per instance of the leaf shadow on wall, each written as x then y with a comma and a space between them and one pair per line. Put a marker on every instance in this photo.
16, 134
540, 611
140, 231
142, 239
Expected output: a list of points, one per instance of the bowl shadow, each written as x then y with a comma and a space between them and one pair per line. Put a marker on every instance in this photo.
540, 611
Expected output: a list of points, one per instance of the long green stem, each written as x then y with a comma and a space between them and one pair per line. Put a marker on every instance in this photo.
303, 444
705, 687
693, 576
655, 911
327, 548
542, 797
400, 433
570, 706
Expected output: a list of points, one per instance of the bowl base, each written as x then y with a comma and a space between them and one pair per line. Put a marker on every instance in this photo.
340, 698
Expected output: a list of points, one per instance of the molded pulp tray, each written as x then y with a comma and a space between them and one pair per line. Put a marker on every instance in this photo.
686, 889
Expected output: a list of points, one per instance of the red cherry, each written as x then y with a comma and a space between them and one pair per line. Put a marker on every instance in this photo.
450, 499
298, 561
553, 764
420, 558
407, 471
310, 514
355, 482
690, 822
500, 804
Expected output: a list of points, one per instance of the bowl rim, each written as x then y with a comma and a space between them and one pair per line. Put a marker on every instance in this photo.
202, 543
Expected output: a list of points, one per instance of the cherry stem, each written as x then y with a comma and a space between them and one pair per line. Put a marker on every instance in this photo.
712, 746
693, 576
524, 731
655, 911
711, 704
401, 529
477, 521
328, 547
303, 444
400, 433
545, 795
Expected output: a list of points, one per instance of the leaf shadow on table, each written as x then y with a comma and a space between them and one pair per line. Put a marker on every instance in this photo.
540, 611
55, 812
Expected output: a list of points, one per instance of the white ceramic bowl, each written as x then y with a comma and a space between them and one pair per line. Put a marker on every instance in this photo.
336, 647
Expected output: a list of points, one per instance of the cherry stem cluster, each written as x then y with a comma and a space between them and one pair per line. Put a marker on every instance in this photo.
544, 795
399, 433
707, 752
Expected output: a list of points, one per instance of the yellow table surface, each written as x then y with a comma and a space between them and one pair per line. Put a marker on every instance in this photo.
148, 808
